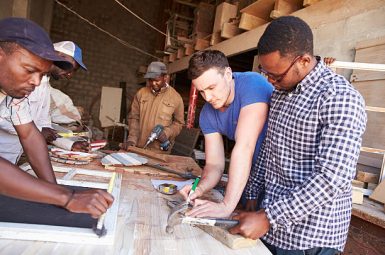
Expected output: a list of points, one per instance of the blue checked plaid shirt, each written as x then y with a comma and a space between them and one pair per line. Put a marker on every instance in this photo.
308, 161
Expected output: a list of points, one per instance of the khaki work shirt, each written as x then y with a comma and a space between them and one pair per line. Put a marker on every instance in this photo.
149, 110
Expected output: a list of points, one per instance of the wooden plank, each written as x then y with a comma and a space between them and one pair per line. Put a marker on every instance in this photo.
260, 9
204, 18
370, 211
325, 14
189, 49
180, 52
230, 30
357, 196
357, 65
216, 38
249, 22
37, 232
375, 109
307, 3
232, 241
147, 153
367, 177
110, 106
379, 193
223, 14
285, 7
201, 44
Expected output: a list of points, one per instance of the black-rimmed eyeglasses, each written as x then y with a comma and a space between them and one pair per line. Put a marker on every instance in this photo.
278, 77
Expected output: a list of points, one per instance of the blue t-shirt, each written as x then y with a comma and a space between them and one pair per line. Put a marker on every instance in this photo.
250, 88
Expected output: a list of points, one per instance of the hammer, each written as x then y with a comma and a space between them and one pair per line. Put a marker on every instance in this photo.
177, 217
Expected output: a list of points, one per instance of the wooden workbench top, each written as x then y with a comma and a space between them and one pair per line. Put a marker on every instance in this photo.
370, 211
141, 224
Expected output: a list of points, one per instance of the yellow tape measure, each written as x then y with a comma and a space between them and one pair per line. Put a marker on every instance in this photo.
167, 188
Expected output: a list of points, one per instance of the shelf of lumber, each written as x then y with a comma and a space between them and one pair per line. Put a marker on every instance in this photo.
323, 13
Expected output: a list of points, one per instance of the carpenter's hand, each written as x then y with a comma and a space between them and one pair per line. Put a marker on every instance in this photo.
251, 205
92, 201
329, 60
80, 146
205, 208
49, 134
162, 137
186, 189
127, 144
251, 224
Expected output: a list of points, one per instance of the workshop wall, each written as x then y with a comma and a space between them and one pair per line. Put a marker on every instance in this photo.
108, 61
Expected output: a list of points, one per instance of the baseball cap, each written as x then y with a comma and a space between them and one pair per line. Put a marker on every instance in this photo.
71, 49
32, 37
155, 69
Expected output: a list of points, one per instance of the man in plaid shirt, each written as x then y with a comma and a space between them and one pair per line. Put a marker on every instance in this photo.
308, 159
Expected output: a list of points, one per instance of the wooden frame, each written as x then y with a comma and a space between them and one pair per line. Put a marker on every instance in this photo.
367, 67
37, 232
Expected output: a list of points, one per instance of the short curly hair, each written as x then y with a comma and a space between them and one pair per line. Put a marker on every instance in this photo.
289, 35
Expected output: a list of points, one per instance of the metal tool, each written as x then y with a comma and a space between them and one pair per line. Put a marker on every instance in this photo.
72, 134
167, 188
99, 229
177, 217
175, 214
186, 175
155, 133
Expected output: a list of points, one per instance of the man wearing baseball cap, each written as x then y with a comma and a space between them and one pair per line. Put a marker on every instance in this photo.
156, 104
57, 102
26, 54
40, 103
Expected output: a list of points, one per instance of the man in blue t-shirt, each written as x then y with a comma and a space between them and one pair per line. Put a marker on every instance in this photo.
237, 107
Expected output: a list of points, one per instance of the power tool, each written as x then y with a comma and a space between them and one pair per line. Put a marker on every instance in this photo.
155, 132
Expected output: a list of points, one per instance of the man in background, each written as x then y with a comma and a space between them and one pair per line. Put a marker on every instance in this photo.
156, 104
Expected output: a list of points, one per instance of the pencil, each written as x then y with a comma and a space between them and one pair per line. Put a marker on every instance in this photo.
100, 229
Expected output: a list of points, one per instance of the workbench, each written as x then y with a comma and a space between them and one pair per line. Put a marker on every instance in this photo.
141, 223
367, 229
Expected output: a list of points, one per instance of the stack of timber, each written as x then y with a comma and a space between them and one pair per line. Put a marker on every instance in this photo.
212, 25
371, 85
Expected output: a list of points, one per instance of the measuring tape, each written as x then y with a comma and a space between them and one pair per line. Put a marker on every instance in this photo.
167, 188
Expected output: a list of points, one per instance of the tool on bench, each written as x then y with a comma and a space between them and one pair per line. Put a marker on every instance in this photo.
100, 229
167, 188
177, 217
179, 210
155, 133
72, 134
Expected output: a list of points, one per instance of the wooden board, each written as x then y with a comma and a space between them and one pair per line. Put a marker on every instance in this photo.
37, 232
379, 193
110, 106
223, 14
260, 9
285, 7
249, 22
177, 163
230, 30
232, 241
